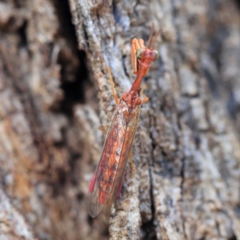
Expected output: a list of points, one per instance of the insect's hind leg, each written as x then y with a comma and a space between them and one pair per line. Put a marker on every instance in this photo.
112, 85
131, 161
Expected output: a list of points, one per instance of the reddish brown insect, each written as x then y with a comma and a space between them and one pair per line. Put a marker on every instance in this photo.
107, 180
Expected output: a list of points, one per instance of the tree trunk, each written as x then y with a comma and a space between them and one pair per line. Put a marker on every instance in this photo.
55, 93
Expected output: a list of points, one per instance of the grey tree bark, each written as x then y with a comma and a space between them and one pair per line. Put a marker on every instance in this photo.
55, 93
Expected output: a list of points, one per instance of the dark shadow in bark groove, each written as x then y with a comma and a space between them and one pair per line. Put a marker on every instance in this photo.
149, 231
73, 90
233, 237
148, 227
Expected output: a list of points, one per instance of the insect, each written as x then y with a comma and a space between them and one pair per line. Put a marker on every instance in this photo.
106, 183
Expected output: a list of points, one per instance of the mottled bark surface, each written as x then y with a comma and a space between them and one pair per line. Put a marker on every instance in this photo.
55, 93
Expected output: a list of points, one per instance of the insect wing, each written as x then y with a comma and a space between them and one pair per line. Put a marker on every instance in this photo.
129, 134
97, 196
109, 174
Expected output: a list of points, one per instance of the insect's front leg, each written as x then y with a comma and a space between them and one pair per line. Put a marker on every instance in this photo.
103, 129
145, 98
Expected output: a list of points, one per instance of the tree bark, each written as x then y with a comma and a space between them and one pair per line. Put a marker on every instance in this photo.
55, 93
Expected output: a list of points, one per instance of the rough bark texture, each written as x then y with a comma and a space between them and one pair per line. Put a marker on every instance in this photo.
55, 93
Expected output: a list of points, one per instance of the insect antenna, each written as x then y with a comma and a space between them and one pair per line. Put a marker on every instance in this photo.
150, 37
155, 38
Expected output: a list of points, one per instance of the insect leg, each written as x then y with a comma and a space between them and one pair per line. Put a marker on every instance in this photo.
131, 161
119, 189
112, 85
133, 56
103, 129
145, 98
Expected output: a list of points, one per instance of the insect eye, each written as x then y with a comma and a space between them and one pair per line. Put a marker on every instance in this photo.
156, 55
139, 53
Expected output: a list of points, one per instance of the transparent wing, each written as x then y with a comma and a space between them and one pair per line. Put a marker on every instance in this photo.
126, 148
97, 196
109, 174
